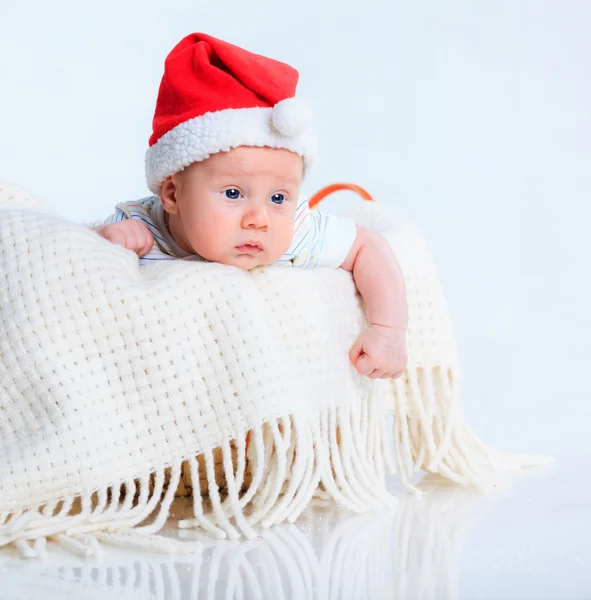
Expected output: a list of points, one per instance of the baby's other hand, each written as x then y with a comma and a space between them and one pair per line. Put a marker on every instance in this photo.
131, 234
380, 352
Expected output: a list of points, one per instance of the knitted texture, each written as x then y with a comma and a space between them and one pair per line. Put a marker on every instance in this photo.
114, 379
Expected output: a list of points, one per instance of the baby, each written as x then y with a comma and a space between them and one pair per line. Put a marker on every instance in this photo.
229, 149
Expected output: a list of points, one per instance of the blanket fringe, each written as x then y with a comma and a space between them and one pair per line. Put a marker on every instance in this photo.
338, 454
431, 434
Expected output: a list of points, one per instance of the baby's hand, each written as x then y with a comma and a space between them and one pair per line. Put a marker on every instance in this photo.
380, 352
131, 234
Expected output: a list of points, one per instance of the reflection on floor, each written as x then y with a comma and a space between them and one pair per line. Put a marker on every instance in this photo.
412, 552
529, 540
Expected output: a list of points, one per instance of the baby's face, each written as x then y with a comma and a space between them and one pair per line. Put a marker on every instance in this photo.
236, 208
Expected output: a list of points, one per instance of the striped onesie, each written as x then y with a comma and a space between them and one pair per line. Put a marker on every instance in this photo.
319, 240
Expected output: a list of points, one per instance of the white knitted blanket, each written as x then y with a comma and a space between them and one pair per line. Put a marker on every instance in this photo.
114, 378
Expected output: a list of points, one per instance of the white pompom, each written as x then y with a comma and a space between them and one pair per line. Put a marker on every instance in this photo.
292, 116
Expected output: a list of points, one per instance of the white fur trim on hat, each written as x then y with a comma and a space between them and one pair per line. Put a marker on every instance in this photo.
288, 125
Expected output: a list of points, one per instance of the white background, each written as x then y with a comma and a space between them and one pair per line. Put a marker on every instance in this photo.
470, 118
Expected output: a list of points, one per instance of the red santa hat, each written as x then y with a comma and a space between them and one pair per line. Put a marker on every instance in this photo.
215, 96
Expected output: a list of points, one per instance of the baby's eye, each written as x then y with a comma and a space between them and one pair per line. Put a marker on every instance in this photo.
232, 194
277, 198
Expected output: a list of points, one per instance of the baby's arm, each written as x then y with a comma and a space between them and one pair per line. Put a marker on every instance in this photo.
130, 233
379, 352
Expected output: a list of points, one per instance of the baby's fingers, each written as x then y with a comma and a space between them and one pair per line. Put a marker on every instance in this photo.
356, 350
132, 239
377, 374
397, 374
364, 365
146, 241
115, 236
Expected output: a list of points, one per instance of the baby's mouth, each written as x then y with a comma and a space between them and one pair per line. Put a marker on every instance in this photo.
250, 248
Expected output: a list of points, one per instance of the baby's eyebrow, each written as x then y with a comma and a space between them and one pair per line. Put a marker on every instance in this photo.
291, 180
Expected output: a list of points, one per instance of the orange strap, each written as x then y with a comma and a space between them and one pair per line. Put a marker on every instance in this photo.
319, 196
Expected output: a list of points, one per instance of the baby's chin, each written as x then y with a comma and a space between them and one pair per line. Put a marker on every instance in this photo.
246, 262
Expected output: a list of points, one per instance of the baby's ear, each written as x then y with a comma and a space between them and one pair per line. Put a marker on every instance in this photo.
168, 196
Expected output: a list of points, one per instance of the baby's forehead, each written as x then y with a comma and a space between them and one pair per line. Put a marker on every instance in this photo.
249, 161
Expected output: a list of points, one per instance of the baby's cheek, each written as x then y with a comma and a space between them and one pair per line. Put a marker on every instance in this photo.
283, 233
207, 238
286, 237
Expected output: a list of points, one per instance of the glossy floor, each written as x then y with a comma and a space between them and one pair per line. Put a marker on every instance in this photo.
532, 540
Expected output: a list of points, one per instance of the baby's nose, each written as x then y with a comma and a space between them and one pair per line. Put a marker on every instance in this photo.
256, 218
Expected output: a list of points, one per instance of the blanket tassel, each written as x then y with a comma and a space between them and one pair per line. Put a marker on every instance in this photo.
337, 455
